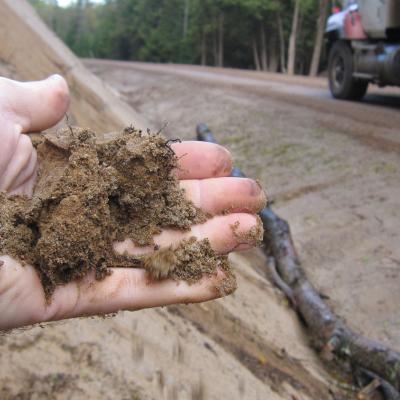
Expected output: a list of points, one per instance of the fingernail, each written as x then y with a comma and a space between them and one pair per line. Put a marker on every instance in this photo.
255, 188
227, 165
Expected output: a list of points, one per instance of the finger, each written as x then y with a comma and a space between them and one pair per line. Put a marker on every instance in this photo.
199, 160
131, 289
23, 301
35, 106
217, 195
225, 233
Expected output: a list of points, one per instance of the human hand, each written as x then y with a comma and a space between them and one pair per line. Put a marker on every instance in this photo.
26, 107
203, 173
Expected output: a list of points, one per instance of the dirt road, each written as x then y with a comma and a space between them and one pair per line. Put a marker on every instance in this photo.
331, 167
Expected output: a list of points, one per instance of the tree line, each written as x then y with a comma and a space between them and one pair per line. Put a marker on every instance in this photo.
270, 35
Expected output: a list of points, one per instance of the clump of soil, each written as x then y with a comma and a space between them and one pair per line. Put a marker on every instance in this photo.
91, 193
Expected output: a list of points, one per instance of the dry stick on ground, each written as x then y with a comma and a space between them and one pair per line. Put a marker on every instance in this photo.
331, 334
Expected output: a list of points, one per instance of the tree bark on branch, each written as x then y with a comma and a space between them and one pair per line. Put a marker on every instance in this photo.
332, 334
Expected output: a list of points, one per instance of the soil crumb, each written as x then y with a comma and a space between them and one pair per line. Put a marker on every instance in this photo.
190, 261
91, 193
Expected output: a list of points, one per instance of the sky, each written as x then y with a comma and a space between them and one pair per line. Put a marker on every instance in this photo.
65, 3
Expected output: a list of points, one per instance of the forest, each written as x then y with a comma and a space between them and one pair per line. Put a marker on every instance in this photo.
270, 35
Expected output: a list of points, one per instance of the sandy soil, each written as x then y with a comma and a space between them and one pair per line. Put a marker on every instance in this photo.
330, 166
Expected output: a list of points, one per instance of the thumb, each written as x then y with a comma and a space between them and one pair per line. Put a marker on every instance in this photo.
34, 106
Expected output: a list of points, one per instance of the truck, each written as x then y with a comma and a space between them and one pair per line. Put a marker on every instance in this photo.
363, 42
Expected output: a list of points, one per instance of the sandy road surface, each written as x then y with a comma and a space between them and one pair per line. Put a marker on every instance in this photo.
331, 167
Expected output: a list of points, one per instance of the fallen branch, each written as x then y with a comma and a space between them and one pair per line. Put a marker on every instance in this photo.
332, 336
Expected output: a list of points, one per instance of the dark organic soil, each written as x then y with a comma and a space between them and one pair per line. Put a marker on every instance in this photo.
91, 193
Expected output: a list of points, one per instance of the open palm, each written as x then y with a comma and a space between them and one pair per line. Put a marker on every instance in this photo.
203, 173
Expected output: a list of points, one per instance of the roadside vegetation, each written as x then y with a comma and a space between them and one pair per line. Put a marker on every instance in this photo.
271, 35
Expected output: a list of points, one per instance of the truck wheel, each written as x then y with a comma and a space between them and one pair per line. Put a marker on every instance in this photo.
340, 69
